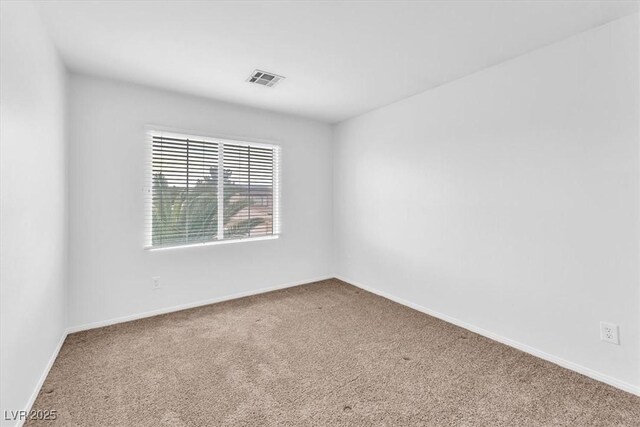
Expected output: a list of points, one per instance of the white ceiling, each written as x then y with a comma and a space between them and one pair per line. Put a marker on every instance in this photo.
341, 59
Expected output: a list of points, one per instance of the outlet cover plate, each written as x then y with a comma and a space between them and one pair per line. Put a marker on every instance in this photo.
609, 333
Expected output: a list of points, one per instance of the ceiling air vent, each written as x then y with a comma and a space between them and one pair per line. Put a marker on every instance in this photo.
264, 78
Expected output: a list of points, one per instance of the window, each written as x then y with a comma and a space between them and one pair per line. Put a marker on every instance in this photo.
205, 190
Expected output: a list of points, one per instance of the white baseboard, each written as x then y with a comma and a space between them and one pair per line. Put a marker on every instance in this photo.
43, 376
179, 307
622, 385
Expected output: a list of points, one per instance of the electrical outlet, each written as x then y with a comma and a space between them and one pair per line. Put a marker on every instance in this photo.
155, 282
609, 332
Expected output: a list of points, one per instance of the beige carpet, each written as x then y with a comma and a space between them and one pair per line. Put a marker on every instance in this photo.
326, 354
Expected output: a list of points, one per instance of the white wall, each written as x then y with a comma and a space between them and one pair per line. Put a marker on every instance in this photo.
34, 196
508, 200
110, 272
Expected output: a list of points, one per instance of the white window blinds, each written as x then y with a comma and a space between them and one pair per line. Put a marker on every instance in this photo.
205, 190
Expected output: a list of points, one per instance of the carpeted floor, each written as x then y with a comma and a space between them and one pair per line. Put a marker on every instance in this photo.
325, 354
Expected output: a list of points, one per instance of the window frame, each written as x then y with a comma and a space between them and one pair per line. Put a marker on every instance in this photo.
158, 131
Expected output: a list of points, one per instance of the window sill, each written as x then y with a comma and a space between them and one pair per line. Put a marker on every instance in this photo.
213, 243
